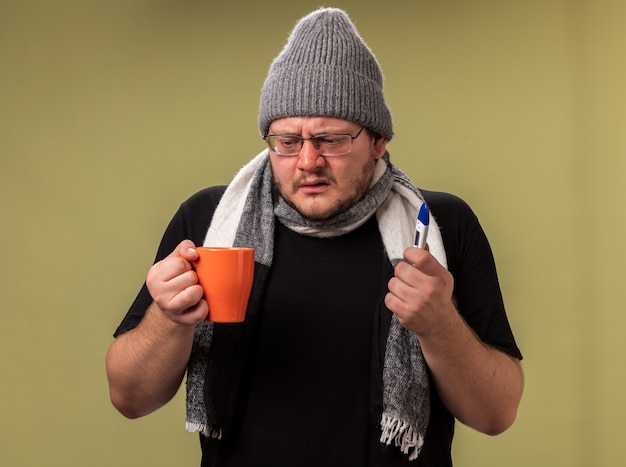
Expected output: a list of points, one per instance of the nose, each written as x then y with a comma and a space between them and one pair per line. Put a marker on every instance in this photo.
309, 157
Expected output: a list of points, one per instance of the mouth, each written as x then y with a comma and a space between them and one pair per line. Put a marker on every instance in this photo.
313, 186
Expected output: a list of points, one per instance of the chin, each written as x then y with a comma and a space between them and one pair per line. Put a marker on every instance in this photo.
318, 208
320, 213
316, 216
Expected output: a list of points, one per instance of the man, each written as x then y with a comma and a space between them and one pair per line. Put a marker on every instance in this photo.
358, 348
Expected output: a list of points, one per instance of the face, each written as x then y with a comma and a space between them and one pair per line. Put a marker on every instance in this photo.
320, 187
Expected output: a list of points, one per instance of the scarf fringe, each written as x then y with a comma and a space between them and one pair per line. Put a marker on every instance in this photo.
194, 427
402, 434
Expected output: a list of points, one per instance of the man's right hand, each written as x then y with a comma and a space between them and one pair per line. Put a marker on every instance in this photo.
173, 285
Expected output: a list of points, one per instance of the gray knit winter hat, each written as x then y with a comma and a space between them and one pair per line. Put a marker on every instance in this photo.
326, 70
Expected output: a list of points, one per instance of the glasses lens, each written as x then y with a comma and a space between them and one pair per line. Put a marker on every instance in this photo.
334, 145
286, 145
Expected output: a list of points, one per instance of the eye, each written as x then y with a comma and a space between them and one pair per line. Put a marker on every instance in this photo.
330, 140
287, 141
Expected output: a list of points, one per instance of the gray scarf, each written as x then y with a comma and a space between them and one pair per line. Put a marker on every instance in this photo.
245, 216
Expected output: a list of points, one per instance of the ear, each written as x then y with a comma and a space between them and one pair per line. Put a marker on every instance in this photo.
380, 146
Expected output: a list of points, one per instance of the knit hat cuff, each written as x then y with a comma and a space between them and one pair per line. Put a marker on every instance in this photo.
327, 91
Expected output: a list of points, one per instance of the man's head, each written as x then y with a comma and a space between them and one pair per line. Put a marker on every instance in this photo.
325, 81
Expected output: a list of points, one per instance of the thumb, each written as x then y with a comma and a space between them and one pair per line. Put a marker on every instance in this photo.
186, 250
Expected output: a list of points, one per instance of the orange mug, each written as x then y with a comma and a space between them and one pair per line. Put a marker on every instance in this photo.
225, 275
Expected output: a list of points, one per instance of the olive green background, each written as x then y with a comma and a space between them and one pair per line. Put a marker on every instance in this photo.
113, 112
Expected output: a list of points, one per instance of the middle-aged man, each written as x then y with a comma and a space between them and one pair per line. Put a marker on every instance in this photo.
358, 349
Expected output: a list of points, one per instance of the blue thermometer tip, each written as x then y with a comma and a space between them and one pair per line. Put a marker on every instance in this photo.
421, 226
424, 215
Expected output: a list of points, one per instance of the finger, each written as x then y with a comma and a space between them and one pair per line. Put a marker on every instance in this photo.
168, 269
195, 314
181, 282
409, 273
397, 305
423, 260
186, 250
403, 289
191, 315
185, 299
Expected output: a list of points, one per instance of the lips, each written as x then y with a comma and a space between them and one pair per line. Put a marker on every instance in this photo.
313, 186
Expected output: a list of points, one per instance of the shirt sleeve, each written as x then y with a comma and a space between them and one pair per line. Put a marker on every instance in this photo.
471, 262
191, 221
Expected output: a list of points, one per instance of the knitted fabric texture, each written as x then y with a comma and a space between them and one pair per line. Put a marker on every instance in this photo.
246, 215
326, 70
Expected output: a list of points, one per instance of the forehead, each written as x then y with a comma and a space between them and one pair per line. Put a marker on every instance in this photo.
312, 125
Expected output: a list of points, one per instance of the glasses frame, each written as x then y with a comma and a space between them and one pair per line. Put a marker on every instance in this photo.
314, 140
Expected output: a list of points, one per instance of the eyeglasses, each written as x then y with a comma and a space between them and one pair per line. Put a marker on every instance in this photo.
326, 144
